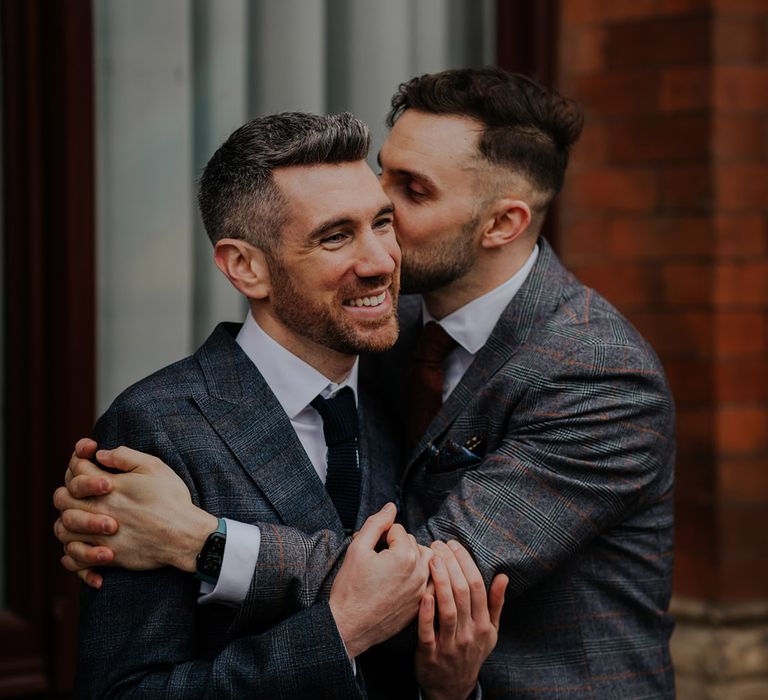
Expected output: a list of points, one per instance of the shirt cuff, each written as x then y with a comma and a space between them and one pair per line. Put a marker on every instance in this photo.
241, 552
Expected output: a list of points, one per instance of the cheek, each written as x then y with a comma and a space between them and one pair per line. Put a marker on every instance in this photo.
324, 281
418, 229
402, 220
411, 224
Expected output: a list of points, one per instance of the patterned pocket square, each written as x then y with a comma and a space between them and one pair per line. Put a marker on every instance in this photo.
452, 456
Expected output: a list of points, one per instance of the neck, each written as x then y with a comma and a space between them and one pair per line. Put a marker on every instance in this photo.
491, 269
332, 364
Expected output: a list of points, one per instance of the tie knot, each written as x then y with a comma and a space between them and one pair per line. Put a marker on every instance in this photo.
339, 416
434, 344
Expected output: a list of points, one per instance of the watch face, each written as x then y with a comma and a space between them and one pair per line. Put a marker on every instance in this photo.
210, 557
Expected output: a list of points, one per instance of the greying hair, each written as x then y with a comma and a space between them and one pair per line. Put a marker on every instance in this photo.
238, 197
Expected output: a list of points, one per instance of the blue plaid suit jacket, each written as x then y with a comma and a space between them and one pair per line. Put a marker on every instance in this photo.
213, 418
553, 462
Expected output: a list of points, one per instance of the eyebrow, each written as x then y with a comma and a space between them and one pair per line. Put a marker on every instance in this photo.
323, 228
327, 226
428, 181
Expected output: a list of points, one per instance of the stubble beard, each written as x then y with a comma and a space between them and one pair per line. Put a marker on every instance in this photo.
442, 263
329, 326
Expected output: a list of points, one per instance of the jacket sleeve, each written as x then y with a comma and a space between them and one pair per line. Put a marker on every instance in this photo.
585, 446
588, 447
144, 635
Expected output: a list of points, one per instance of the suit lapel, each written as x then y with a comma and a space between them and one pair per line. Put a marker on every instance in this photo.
246, 415
540, 291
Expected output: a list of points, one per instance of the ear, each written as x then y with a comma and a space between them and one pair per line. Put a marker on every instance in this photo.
511, 218
244, 265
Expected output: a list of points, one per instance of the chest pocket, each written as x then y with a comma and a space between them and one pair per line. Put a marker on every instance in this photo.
444, 468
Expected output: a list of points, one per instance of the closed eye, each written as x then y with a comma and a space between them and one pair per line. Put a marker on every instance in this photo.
414, 193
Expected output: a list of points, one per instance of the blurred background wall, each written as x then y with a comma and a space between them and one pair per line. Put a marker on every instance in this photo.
666, 213
173, 79
111, 108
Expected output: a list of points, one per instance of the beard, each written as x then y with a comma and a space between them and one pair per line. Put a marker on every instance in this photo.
429, 268
330, 325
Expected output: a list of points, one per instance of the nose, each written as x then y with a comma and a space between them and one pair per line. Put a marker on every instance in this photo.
378, 255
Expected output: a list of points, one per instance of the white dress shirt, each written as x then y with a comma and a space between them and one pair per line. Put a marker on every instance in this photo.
295, 384
470, 326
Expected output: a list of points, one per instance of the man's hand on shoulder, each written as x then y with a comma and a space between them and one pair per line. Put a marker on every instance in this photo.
141, 518
377, 593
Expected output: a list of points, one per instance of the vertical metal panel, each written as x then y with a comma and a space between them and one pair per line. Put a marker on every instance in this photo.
430, 39
288, 56
220, 60
145, 186
488, 14
370, 59
470, 41
375, 46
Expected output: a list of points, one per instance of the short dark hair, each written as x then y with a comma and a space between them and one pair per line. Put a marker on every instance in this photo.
238, 197
527, 127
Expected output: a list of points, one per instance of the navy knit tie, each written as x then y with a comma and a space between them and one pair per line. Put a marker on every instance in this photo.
342, 480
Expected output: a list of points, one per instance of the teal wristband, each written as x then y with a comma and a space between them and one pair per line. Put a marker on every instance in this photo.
211, 556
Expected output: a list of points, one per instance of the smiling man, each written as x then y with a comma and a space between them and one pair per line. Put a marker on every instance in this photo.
315, 305
256, 422
539, 422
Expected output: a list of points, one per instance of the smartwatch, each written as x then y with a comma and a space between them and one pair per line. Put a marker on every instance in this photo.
212, 554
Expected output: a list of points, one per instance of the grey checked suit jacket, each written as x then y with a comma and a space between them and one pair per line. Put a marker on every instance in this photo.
214, 420
552, 461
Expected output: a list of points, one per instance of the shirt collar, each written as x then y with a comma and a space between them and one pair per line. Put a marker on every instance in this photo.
472, 324
293, 382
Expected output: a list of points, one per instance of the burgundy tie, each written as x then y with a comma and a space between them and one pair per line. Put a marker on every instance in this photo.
425, 378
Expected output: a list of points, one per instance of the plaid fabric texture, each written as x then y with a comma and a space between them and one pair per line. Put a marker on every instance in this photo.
552, 461
214, 420
568, 410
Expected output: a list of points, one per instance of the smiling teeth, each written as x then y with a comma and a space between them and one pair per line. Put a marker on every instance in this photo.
367, 301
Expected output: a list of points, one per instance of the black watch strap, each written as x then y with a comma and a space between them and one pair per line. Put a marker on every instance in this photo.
212, 554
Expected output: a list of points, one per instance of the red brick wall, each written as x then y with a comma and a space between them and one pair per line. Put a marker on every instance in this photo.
665, 212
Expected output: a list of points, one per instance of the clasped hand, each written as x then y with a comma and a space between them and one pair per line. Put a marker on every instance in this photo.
144, 518
141, 518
